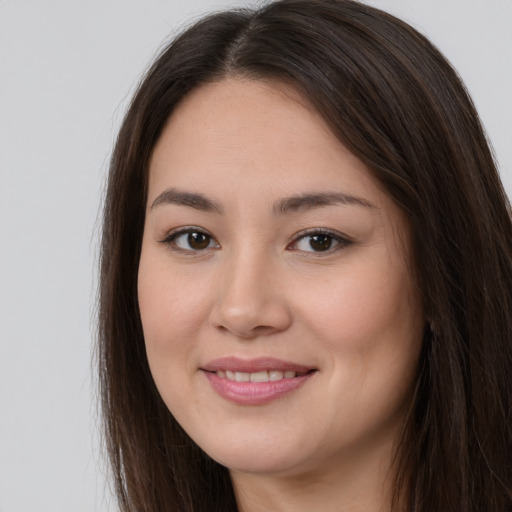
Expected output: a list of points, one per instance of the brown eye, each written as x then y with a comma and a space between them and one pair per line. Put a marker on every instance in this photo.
198, 241
320, 242
191, 240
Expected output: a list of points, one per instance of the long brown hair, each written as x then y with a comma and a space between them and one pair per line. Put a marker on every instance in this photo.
396, 103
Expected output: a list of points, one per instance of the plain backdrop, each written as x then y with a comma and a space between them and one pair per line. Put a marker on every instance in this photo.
67, 70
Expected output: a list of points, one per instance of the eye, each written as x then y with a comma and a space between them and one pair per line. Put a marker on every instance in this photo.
191, 239
319, 241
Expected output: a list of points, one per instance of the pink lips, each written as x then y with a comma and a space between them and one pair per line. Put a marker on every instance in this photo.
254, 393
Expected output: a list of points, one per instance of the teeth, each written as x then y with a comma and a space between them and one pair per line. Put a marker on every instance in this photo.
275, 375
259, 377
242, 376
263, 376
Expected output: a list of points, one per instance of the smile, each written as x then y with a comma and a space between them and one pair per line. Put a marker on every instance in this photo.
262, 376
255, 382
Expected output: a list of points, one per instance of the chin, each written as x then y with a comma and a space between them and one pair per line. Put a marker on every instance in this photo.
257, 464
259, 454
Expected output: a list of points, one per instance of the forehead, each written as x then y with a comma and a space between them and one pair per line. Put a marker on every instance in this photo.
250, 127
232, 115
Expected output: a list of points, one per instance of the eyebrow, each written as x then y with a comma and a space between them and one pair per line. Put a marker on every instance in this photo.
286, 205
308, 201
197, 201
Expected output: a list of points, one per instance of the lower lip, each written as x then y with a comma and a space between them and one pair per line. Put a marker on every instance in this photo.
254, 393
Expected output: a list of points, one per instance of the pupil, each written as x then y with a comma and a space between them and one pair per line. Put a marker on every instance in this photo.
198, 240
320, 242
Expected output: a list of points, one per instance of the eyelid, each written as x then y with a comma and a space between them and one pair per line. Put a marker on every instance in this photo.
170, 236
341, 239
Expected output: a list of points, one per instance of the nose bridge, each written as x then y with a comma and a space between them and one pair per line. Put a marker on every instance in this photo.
250, 301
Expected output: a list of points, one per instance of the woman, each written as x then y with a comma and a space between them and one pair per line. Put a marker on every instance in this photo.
306, 277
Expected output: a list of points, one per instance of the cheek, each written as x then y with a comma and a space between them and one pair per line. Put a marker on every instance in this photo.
171, 310
371, 323
172, 313
372, 328
362, 305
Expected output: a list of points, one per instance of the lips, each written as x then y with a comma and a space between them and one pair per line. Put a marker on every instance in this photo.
256, 381
236, 364
261, 376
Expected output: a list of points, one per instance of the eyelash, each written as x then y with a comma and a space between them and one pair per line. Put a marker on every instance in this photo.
170, 239
338, 239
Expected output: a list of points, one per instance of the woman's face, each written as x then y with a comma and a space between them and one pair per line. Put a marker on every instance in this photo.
281, 323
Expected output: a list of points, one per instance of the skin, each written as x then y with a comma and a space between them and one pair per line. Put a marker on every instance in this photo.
261, 288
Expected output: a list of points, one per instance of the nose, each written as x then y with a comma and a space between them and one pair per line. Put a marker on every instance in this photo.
250, 300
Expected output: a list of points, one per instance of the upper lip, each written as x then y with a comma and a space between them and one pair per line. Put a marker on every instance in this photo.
259, 364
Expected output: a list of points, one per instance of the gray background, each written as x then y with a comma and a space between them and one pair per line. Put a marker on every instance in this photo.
67, 69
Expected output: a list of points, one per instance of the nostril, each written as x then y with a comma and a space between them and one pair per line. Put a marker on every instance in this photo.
247, 332
252, 320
